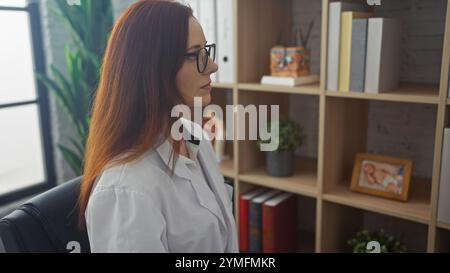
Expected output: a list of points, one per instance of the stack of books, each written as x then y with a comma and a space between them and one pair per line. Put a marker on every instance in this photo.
363, 51
267, 221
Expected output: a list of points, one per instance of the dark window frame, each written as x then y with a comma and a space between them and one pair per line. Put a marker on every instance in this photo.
42, 102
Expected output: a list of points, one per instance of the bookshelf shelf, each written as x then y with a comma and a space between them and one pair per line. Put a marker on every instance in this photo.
222, 85
303, 182
412, 93
417, 208
444, 226
227, 168
311, 89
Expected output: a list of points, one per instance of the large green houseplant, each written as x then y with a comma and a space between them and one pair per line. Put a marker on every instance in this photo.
281, 162
89, 23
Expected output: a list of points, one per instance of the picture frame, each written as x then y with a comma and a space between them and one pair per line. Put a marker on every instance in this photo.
383, 176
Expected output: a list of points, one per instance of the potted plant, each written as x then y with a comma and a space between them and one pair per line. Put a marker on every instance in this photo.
89, 23
281, 162
387, 244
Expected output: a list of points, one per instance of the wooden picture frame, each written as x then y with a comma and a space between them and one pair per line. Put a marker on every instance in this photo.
383, 176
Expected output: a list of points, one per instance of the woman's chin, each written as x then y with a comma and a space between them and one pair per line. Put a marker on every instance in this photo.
206, 99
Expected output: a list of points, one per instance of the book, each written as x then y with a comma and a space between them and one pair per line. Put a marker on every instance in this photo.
334, 34
444, 185
225, 43
244, 200
255, 220
358, 55
290, 81
345, 51
280, 224
208, 20
383, 55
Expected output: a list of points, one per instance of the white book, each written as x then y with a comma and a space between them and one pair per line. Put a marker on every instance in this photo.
334, 34
253, 193
278, 199
225, 42
262, 198
290, 81
207, 18
444, 184
383, 55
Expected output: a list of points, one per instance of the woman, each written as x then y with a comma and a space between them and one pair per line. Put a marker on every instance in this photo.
144, 191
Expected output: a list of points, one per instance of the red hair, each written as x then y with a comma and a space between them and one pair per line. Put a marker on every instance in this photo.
137, 90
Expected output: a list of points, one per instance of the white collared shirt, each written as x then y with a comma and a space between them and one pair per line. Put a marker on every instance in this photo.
140, 207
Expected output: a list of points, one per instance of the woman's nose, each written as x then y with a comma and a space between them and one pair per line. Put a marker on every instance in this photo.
212, 66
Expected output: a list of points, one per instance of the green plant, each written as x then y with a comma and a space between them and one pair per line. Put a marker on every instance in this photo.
290, 135
388, 243
89, 24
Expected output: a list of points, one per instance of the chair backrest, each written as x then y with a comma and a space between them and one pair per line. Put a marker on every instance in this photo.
46, 223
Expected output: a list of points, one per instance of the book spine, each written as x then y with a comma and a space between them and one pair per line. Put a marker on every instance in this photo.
444, 187
255, 227
334, 25
358, 55
374, 34
345, 51
243, 225
268, 242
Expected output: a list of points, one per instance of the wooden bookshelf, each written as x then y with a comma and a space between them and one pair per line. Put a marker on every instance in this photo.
312, 89
303, 182
342, 132
417, 208
222, 85
227, 168
407, 92
444, 226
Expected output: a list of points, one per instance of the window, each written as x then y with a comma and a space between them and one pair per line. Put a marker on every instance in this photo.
26, 164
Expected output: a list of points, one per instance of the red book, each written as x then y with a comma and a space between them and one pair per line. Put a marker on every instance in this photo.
243, 217
280, 224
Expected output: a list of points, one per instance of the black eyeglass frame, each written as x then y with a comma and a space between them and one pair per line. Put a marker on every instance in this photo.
197, 56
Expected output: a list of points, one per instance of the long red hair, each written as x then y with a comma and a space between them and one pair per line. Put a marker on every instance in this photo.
137, 90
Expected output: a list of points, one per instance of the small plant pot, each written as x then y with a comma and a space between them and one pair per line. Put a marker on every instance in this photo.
280, 163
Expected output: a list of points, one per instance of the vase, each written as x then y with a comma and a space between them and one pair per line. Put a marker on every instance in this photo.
290, 61
280, 163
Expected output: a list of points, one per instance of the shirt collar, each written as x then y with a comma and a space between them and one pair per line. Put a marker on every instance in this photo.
193, 134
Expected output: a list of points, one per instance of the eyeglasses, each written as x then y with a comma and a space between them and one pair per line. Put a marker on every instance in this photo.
202, 56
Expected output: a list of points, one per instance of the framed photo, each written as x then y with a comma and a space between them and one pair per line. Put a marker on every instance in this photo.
383, 176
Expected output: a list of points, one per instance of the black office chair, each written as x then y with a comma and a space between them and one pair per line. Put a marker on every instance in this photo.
46, 223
